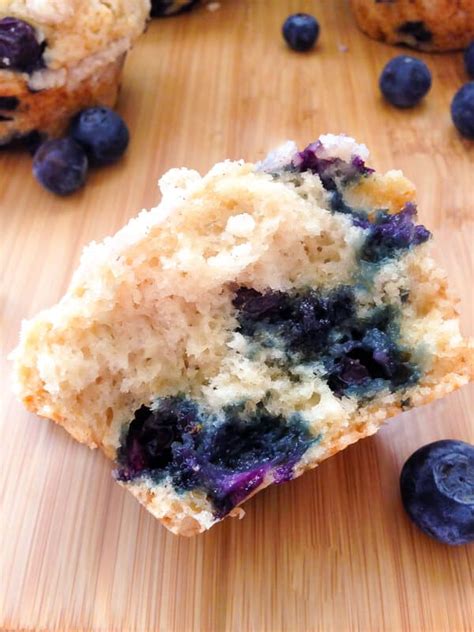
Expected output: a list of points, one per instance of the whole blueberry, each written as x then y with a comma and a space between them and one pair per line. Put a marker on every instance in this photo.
102, 133
164, 8
469, 59
462, 110
60, 165
19, 46
437, 488
300, 31
404, 81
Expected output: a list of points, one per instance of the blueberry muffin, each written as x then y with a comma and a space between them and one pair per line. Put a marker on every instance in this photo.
431, 25
163, 8
59, 56
260, 319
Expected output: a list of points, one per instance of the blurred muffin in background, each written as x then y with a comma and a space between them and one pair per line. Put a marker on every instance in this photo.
59, 56
430, 25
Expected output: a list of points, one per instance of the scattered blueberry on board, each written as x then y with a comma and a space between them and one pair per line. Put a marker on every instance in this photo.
19, 47
437, 489
404, 81
462, 110
300, 31
60, 165
469, 59
98, 136
102, 133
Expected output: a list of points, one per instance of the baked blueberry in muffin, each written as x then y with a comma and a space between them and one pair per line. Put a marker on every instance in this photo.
432, 25
163, 8
58, 57
260, 319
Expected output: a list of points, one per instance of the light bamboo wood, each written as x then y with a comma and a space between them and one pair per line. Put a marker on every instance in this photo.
332, 551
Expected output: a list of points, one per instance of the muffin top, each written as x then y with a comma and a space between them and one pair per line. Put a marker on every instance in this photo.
71, 30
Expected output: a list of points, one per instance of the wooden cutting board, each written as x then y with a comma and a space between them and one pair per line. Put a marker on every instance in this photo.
332, 551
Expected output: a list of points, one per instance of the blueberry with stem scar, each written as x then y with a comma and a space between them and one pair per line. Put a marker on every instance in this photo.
301, 31
404, 81
437, 488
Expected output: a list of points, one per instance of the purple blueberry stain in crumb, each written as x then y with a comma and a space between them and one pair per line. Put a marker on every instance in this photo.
333, 171
437, 490
20, 49
226, 456
230, 490
283, 473
358, 356
391, 233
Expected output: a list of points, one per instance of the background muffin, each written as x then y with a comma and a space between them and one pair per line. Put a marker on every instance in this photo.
432, 25
60, 56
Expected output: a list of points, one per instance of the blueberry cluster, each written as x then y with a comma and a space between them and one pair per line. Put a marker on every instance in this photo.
405, 80
359, 356
226, 456
97, 136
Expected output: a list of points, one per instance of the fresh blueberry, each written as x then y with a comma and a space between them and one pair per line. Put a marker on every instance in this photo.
164, 8
102, 133
300, 31
60, 165
437, 488
404, 81
462, 110
469, 59
19, 46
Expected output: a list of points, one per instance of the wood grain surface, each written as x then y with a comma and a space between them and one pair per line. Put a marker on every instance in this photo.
331, 551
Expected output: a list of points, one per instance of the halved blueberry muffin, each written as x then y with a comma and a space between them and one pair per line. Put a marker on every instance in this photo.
61, 56
431, 25
260, 319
